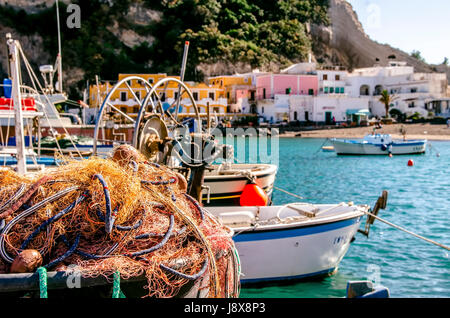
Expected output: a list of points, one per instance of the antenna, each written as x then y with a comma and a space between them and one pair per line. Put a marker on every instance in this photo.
60, 87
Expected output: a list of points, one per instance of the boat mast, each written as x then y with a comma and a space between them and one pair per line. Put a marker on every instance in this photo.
183, 70
13, 47
60, 85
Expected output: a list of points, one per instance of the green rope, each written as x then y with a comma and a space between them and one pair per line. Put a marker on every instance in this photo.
117, 292
42, 282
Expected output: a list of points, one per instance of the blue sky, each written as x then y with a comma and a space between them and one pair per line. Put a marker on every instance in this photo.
422, 25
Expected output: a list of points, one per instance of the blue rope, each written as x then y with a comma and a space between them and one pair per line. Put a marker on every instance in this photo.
197, 206
110, 215
160, 244
186, 276
51, 220
148, 235
66, 254
160, 182
87, 255
119, 227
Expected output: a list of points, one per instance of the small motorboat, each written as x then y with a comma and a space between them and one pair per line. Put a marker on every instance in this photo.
378, 144
293, 241
366, 289
328, 149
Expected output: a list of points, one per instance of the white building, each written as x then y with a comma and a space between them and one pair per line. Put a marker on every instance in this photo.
413, 92
333, 81
347, 96
328, 109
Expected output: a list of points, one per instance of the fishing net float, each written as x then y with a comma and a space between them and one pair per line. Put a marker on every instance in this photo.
120, 215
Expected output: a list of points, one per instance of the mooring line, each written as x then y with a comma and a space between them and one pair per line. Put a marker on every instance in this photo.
409, 232
290, 193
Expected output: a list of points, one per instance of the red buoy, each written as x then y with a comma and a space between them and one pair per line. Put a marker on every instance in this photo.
410, 163
253, 195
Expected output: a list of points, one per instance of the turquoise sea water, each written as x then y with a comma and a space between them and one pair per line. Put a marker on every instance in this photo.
419, 200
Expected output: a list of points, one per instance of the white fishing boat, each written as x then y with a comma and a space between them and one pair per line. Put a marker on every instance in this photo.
378, 144
224, 183
294, 241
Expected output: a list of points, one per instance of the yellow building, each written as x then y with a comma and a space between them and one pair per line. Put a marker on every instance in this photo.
123, 99
228, 84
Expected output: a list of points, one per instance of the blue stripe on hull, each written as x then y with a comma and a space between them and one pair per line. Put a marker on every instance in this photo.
296, 277
286, 233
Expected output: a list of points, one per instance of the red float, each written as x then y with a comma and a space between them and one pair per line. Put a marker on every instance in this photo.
253, 195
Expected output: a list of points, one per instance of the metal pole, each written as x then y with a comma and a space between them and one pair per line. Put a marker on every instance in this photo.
60, 85
183, 70
20, 145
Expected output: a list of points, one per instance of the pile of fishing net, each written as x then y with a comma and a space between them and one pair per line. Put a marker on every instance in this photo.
123, 215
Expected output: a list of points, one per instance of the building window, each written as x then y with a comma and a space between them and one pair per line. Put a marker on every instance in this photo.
150, 80
338, 77
138, 95
311, 92
228, 95
252, 95
216, 110
135, 110
342, 90
411, 105
295, 115
331, 90
163, 97
211, 95
195, 95
325, 90
175, 95
123, 109
414, 90
288, 91
123, 96
325, 77
264, 93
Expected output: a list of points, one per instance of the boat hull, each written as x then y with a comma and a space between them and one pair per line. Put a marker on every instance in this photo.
226, 190
294, 254
346, 147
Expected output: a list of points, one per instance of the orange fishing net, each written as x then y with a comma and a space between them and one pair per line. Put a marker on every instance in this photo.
121, 214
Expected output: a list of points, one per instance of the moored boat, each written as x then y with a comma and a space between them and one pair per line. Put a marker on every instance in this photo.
291, 242
225, 184
378, 145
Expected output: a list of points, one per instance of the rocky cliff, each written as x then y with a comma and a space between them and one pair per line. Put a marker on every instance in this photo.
345, 42
341, 42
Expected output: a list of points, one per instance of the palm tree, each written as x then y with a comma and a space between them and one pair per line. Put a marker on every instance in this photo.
387, 100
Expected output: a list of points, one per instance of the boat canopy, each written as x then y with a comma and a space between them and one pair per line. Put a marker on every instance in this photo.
360, 112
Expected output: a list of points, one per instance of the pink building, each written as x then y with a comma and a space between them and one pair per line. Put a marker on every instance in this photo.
285, 84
